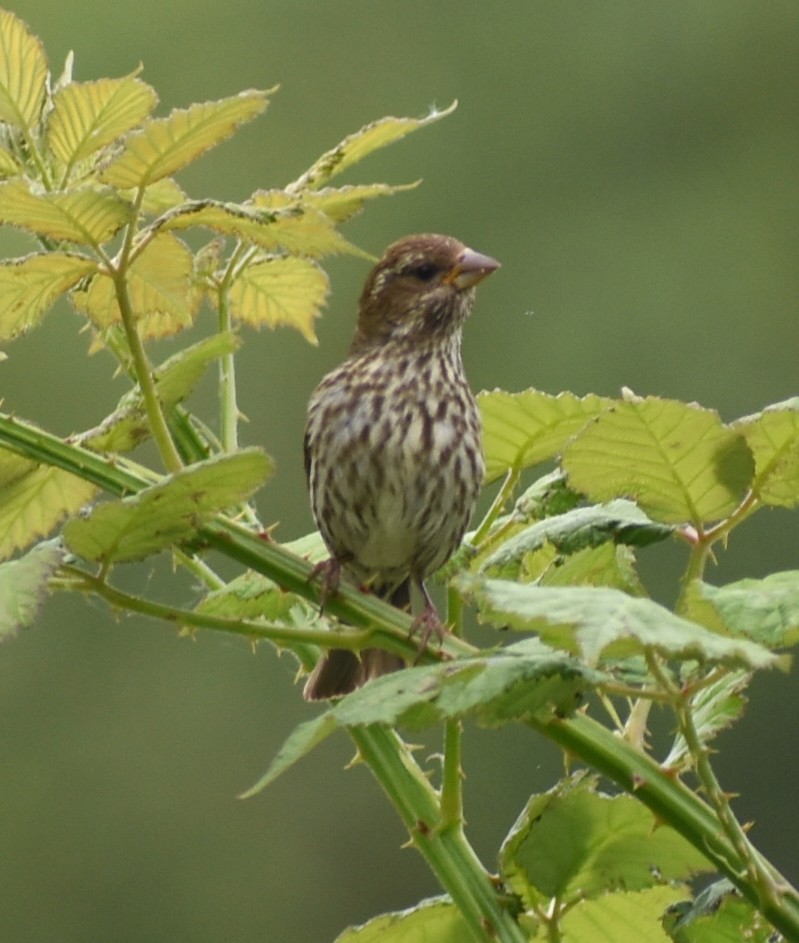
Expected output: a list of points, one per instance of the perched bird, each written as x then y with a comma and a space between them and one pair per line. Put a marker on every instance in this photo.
392, 443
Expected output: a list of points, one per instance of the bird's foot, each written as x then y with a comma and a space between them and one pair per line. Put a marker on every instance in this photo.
427, 624
328, 572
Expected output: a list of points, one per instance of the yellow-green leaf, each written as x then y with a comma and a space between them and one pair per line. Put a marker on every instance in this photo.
280, 290
165, 145
24, 584
338, 203
357, 146
85, 216
159, 287
299, 231
8, 164
523, 429
773, 436
29, 286
23, 73
88, 115
165, 194
34, 503
168, 512
678, 461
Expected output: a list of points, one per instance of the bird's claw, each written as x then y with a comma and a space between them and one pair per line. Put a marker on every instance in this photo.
425, 625
328, 572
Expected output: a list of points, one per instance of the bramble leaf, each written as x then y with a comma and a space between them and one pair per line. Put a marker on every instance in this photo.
337, 203
169, 512
773, 436
165, 145
280, 290
523, 429
23, 586
677, 460
23, 73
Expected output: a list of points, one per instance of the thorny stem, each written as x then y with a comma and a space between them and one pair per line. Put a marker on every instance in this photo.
757, 871
499, 502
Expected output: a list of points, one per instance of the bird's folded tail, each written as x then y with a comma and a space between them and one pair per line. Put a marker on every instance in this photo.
340, 671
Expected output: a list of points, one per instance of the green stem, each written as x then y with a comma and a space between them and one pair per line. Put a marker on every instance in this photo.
452, 778
446, 850
502, 497
229, 410
673, 803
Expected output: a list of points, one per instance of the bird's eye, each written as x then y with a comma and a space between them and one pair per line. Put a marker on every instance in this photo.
425, 271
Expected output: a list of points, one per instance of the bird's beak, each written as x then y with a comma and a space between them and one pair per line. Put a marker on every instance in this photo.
472, 267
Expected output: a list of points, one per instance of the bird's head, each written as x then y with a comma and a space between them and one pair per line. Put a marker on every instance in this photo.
422, 290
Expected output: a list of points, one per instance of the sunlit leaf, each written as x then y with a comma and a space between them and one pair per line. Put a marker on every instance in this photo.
773, 436
357, 146
765, 610
23, 73
719, 914
602, 624
169, 512
280, 290
678, 461
88, 115
32, 504
165, 194
8, 164
165, 145
29, 286
299, 232
714, 707
436, 920
159, 285
623, 917
609, 564
614, 843
23, 586
523, 429
85, 216
337, 203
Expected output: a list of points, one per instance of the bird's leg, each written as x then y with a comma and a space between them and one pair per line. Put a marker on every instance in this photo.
328, 572
427, 623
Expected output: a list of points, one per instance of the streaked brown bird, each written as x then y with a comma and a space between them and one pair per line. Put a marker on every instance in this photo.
392, 442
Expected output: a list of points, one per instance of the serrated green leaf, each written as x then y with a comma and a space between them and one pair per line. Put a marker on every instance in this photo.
713, 708
357, 146
519, 682
89, 115
718, 915
607, 565
165, 145
85, 216
523, 429
678, 461
765, 610
23, 586
23, 73
299, 232
280, 290
29, 286
159, 285
773, 437
575, 843
623, 917
8, 164
34, 501
602, 624
619, 521
169, 512
159, 197
437, 919
337, 203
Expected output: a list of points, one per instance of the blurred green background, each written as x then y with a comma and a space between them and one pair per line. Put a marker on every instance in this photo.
633, 167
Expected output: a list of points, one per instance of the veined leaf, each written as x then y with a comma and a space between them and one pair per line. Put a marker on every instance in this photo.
88, 115
523, 429
165, 145
34, 502
280, 290
163, 195
85, 216
8, 164
765, 610
609, 564
159, 286
169, 512
623, 917
614, 843
524, 680
719, 914
433, 919
619, 521
23, 586
337, 203
23, 73
602, 624
678, 461
773, 437
357, 146
298, 231
29, 286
